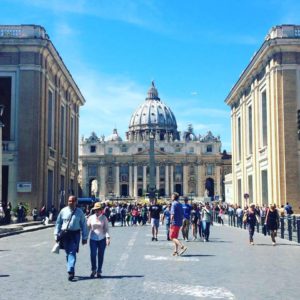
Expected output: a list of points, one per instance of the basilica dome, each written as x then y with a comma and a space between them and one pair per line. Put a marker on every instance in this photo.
114, 137
153, 116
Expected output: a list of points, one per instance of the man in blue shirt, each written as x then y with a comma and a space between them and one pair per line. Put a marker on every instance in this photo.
72, 220
187, 208
176, 223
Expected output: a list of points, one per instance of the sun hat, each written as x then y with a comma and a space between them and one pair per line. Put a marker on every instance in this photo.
97, 205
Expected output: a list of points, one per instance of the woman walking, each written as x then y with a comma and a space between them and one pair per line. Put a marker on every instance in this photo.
250, 220
194, 220
206, 221
272, 222
99, 238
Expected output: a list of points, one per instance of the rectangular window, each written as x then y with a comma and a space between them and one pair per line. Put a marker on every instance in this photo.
140, 149
62, 131
162, 149
51, 120
72, 139
250, 136
191, 150
93, 149
209, 148
5, 98
93, 170
239, 142
264, 120
209, 169
264, 187
124, 148
110, 150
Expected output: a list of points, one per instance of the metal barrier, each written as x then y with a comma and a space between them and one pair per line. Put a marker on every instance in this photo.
289, 226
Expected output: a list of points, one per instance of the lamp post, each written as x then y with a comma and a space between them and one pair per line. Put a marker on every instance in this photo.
152, 187
1, 125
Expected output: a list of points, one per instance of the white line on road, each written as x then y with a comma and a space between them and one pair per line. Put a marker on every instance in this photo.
38, 245
197, 291
171, 258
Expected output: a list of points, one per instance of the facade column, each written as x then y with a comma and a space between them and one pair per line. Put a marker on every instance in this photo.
172, 179
199, 181
218, 180
135, 191
185, 180
145, 179
167, 192
157, 178
102, 181
130, 181
117, 181
85, 181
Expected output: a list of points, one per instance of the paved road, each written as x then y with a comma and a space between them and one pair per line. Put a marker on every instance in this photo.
137, 268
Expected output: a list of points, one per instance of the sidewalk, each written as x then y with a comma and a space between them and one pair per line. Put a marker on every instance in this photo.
17, 228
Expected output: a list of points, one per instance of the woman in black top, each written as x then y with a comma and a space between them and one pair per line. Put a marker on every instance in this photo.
272, 221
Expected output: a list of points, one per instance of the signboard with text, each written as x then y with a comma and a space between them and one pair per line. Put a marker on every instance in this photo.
24, 187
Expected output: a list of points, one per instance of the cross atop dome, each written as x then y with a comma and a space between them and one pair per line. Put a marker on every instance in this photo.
153, 93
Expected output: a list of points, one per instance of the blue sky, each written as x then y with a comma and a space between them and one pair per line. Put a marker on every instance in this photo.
194, 50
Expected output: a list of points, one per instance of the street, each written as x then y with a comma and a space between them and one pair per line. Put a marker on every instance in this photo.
137, 268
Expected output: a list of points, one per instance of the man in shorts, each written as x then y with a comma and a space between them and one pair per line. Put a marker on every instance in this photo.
154, 216
176, 223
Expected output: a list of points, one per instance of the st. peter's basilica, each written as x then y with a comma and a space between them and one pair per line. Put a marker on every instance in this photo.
187, 163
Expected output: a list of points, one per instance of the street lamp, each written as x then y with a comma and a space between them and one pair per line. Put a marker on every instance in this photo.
152, 187
1, 125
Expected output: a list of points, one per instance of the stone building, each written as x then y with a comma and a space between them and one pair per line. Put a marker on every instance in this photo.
184, 162
265, 115
40, 134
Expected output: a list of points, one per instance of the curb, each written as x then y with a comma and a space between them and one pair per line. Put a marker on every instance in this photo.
24, 230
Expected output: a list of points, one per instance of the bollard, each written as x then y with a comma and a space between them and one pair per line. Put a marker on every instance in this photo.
282, 227
298, 230
290, 228
294, 223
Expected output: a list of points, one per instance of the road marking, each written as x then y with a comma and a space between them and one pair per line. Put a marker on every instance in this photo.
1, 256
171, 258
197, 291
38, 245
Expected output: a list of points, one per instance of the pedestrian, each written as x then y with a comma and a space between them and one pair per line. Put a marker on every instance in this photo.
123, 212
272, 222
73, 220
20, 213
144, 214
99, 238
194, 220
239, 215
176, 223
166, 218
207, 220
187, 208
288, 208
35, 214
113, 215
154, 216
250, 220
7, 212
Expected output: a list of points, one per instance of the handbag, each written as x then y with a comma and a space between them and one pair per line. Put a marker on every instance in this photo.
245, 217
55, 248
61, 236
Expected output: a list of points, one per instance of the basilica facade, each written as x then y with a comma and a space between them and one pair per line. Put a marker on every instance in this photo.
189, 164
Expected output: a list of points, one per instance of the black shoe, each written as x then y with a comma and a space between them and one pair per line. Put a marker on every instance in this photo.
93, 274
153, 239
99, 275
156, 239
71, 276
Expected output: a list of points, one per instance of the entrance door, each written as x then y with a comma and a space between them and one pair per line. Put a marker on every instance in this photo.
124, 190
178, 189
4, 185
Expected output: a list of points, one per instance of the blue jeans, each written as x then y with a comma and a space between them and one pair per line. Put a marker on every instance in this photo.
97, 246
206, 227
71, 246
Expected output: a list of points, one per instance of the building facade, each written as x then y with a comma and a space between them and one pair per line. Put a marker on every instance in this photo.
265, 116
40, 134
184, 162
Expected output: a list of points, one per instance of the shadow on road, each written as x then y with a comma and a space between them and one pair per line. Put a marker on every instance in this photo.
4, 276
277, 244
196, 255
4, 250
79, 278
